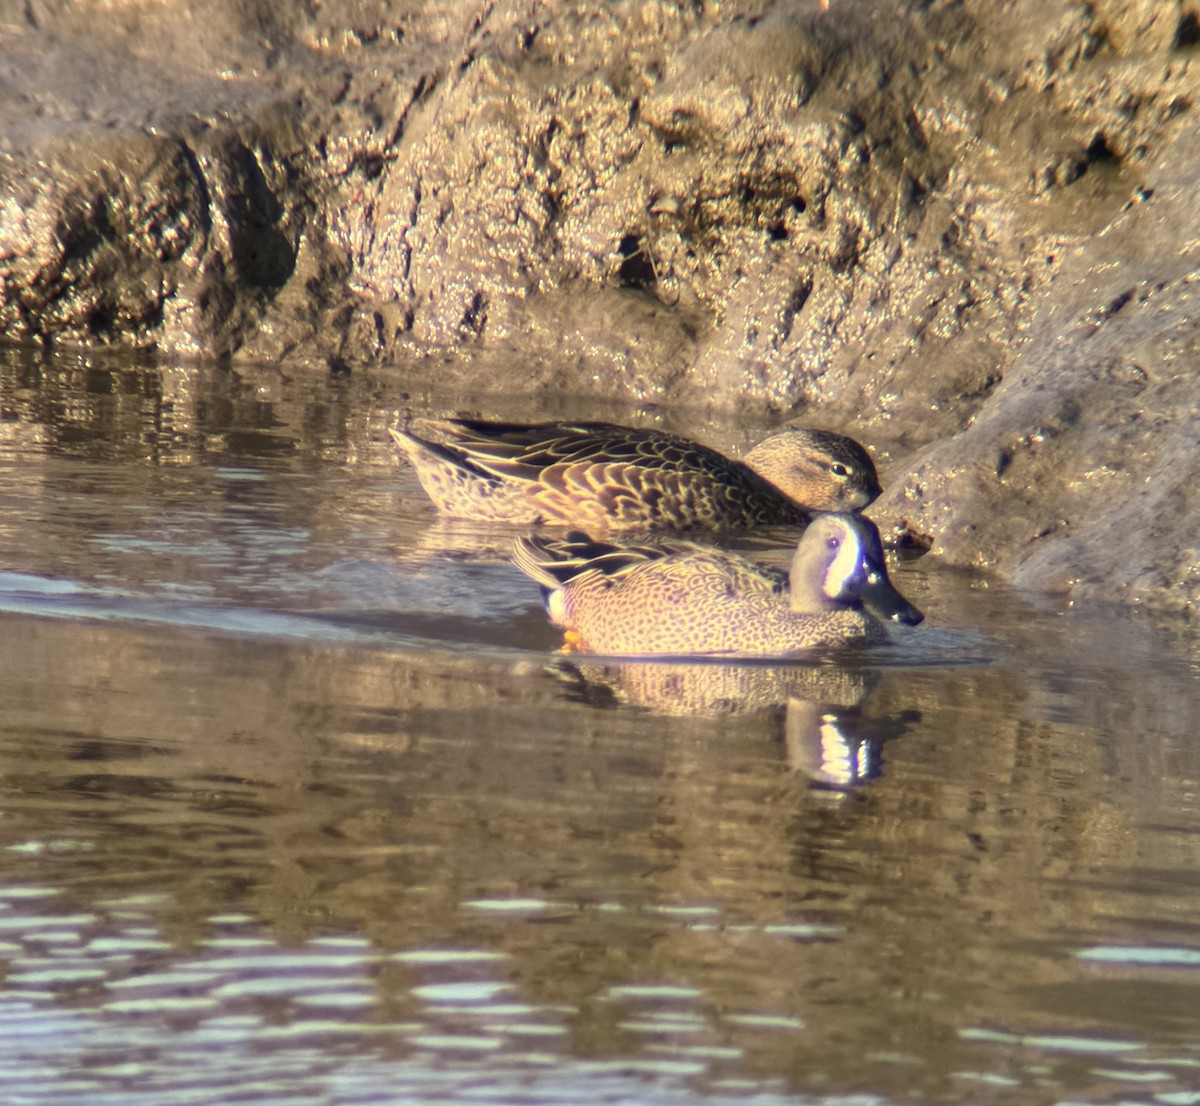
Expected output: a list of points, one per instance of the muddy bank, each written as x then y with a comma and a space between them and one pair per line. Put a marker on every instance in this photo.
966, 230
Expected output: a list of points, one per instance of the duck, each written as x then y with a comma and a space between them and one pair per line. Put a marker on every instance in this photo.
687, 599
605, 479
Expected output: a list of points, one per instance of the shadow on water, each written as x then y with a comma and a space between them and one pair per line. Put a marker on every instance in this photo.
301, 804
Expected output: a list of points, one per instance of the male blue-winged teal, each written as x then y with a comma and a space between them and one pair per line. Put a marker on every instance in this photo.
606, 478
683, 598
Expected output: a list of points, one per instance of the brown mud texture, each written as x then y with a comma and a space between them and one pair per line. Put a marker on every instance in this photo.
967, 228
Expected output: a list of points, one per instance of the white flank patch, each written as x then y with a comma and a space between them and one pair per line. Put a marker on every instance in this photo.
556, 607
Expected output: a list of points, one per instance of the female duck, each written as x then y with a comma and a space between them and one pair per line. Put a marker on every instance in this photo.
607, 478
687, 599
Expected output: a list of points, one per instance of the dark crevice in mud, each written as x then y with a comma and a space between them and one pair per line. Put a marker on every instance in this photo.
793, 310
1099, 151
1187, 34
262, 254
636, 269
203, 194
474, 319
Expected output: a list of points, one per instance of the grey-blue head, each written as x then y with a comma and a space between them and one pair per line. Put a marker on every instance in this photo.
840, 563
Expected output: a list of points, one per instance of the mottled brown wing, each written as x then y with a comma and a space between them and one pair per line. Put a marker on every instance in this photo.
633, 477
528, 448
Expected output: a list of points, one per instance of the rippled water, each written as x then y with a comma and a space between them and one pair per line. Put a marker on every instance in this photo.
298, 804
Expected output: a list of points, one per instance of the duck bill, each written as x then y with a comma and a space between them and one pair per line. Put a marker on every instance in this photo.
885, 602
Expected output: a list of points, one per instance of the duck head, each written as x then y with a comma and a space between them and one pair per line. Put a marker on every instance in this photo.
839, 563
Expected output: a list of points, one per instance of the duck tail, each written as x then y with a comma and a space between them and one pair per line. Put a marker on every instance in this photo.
422, 451
559, 560
536, 557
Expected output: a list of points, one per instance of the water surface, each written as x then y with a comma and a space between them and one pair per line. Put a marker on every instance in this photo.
300, 804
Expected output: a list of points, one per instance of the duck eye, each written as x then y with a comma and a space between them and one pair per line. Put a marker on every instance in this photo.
838, 469
835, 544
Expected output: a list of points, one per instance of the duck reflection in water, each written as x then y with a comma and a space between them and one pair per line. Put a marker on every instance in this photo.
819, 714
